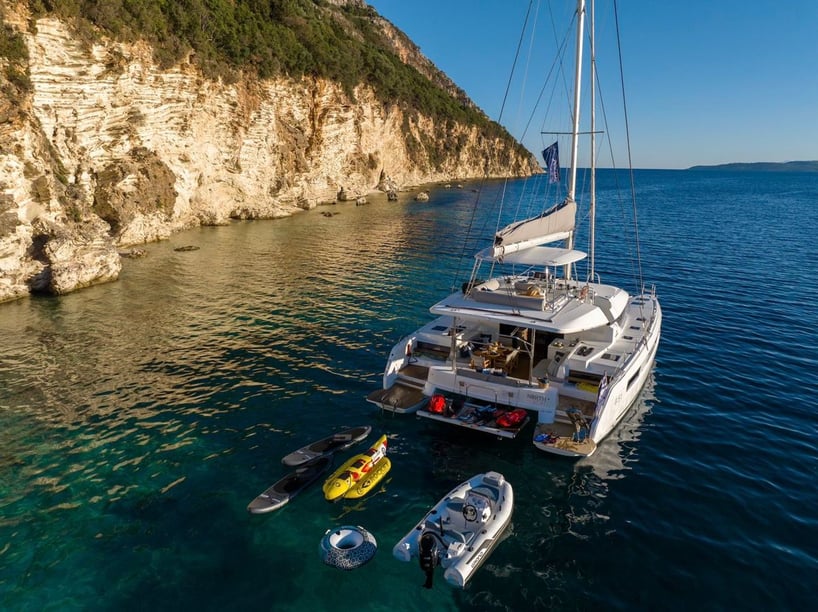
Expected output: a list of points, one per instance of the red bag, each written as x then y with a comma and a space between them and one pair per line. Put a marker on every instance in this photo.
437, 404
511, 419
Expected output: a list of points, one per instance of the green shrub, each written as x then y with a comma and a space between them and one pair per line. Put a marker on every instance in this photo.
12, 45
13, 48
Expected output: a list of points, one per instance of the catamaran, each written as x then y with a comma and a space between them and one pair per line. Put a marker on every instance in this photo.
570, 350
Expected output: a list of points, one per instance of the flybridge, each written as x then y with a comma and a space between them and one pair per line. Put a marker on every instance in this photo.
534, 256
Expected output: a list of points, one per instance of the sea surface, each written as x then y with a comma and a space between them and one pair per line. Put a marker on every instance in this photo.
139, 418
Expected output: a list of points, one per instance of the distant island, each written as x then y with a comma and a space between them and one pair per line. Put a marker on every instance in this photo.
793, 166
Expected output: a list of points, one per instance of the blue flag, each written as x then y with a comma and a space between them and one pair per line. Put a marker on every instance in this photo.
551, 155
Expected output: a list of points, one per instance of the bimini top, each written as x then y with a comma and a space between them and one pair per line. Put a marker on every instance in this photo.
535, 256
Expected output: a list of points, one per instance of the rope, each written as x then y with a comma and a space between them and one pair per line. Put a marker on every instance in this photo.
488, 160
628, 141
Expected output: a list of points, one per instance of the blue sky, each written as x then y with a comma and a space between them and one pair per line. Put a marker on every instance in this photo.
707, 81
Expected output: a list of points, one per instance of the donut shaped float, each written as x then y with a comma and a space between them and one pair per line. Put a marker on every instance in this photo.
347, 547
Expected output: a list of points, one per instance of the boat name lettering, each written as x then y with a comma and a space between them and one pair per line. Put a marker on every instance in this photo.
475, 560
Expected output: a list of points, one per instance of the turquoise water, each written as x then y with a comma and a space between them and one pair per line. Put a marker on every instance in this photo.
139, 418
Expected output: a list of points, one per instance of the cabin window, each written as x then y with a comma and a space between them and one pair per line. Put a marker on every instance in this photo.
434, 351
506, 329
633, 378
611, 357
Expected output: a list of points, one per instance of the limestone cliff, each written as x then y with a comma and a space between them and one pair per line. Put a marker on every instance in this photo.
102, 149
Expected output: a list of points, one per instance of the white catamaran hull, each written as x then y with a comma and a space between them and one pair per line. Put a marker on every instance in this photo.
622, 392
539, 336
549, 382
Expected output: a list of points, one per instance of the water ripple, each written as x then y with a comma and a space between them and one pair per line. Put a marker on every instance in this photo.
138, 418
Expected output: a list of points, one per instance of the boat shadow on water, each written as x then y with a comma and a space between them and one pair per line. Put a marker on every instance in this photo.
565, 510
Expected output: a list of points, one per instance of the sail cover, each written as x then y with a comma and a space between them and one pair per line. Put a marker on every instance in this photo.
554, 224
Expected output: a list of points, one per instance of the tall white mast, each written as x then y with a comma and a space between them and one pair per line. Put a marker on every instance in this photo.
592, 206
577, 80
572, 179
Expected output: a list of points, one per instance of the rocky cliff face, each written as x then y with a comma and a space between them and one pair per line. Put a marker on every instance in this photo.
105, 150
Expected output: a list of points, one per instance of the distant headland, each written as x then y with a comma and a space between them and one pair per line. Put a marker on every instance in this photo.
792, 166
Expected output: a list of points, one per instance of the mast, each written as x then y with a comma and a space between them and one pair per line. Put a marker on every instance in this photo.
572, 179
592, 206
572, 182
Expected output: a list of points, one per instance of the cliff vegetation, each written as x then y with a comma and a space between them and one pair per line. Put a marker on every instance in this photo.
123, 121
340, 41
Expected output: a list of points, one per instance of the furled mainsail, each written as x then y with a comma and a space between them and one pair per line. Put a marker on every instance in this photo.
554, 224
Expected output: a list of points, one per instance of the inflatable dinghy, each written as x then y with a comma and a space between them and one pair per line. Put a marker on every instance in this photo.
461, 531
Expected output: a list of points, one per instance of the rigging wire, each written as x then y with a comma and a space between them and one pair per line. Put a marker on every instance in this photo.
531, 16
488, 161
635, 259
628, 142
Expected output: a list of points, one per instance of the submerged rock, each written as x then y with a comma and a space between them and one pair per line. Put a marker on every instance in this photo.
133, 253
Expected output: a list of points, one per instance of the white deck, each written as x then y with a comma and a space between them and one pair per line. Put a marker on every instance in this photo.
594, 331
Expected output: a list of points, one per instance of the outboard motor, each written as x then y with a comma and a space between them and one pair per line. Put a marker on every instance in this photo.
428, 557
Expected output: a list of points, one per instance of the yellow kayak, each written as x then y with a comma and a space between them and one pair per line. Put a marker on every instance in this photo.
356, 469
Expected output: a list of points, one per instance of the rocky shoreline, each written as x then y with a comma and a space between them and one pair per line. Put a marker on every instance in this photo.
103, 151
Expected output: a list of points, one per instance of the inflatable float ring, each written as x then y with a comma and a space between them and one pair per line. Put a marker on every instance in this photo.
347, 547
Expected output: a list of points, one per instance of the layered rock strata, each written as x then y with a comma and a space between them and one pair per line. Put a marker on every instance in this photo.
104, 150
